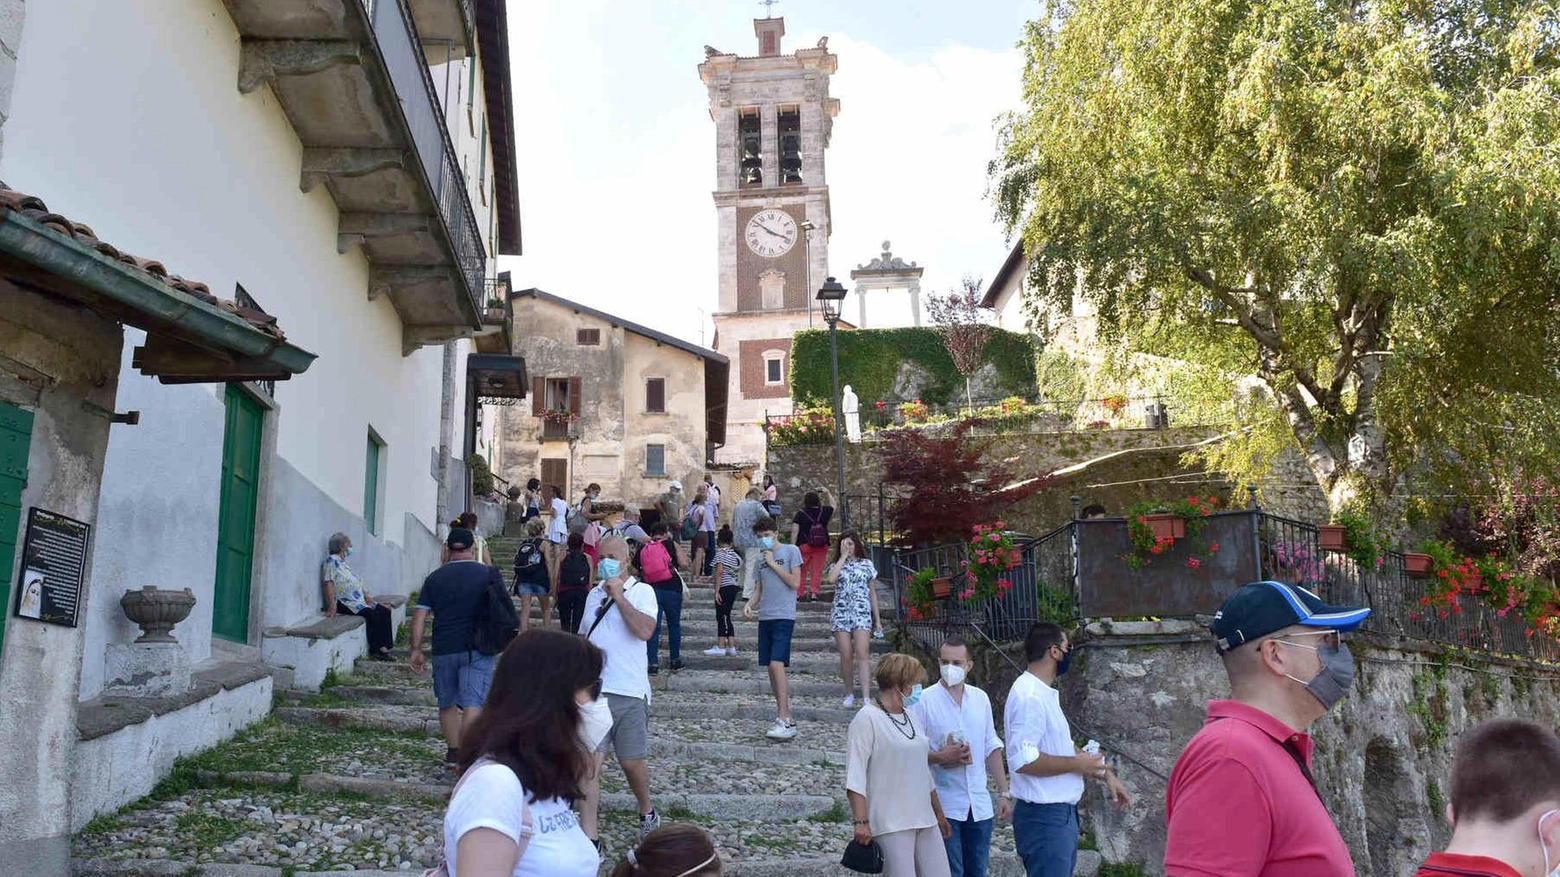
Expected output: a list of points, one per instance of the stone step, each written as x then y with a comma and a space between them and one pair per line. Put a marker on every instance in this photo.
420, 714
743, 670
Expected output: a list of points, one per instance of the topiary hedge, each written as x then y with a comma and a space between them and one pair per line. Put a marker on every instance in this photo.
870, 359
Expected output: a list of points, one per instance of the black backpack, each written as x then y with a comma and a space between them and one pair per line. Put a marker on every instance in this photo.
496, 621
574, 572
528, 556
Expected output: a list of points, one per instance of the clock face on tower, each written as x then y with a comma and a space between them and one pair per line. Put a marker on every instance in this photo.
771, 233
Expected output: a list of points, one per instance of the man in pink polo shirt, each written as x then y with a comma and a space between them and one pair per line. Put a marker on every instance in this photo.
1241, 801
1505, 807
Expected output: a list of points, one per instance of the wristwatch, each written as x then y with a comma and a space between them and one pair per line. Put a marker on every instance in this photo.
1007, 795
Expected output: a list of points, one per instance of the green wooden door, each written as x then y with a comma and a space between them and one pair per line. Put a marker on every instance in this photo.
236, 518
15, 435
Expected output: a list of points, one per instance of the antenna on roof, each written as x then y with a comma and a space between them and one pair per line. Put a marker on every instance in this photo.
769, 7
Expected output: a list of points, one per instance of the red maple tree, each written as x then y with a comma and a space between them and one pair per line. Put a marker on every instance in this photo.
946, 483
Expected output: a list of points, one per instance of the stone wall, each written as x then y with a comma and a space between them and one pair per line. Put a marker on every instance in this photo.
1383, 757
1126, 466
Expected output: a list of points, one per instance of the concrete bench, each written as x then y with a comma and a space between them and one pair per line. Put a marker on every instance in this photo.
316, 647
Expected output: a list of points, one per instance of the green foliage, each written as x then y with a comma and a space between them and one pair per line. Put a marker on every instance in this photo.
1120, 869
1429, 705
1360, 538
1357, 203
481, 475
204, 831
830, 816
870, 359
1060, 375
810, 425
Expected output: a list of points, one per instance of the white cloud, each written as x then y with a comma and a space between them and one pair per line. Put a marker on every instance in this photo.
616, 173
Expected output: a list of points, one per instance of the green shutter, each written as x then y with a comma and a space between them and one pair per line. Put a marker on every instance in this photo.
371, 486
15, 437
482, 157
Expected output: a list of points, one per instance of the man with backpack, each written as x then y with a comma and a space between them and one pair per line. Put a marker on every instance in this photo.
468, 625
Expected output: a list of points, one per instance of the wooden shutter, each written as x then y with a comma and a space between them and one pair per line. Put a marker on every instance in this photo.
574, 395
538, 392
655, 395
555, 472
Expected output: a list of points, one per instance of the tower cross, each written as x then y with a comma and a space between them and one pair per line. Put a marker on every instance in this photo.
769, 7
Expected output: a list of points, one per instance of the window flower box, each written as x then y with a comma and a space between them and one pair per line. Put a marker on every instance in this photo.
1332, 537
1167, 526
1416, 565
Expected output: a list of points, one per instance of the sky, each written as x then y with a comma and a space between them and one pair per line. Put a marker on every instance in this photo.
616, 150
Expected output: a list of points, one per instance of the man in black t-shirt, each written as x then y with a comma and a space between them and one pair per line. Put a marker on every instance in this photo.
456, 593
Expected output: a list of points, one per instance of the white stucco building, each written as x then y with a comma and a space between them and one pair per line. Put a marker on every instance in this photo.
346, 166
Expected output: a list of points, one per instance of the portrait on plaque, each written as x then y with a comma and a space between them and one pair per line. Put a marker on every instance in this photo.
54, 561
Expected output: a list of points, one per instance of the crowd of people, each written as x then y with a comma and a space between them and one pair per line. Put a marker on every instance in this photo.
529, 717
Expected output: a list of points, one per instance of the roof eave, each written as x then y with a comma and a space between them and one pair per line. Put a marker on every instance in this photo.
493, 43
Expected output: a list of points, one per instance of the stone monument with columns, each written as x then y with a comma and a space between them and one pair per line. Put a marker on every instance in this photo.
886, 278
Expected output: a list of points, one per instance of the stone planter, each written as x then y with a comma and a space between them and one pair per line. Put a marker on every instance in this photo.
1330, 537
1167, 526
494, 315
1417, 565
157, 611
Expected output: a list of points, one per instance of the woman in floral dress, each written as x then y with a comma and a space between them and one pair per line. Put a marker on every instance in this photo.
855, 613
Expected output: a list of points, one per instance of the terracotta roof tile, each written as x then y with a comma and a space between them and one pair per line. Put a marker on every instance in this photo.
33, 208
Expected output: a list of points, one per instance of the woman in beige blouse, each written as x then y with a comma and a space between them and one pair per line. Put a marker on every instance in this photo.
888, 780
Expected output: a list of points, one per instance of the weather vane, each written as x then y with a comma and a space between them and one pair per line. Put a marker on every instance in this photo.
769, 7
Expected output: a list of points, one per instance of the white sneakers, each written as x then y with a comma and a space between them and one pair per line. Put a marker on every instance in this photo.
849, 701
731, 651
783, 730
717, 651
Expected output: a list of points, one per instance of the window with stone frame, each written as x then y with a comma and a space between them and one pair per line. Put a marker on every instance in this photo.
587, 337
655, 459
655, 395
774, 368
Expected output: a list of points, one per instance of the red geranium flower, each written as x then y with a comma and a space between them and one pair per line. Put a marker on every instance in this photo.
1193, 562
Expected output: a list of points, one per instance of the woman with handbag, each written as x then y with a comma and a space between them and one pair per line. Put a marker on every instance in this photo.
772, 497
523, 762
889, 781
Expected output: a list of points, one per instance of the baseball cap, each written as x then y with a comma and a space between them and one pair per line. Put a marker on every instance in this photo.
1262, 608
676, 485
460, 538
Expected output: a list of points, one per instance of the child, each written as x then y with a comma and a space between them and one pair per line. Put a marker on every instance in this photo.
727, 563
576, 573
531, 572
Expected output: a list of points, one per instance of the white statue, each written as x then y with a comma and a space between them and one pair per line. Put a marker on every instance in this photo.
850, 408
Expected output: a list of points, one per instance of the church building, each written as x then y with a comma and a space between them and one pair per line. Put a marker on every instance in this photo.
773, 118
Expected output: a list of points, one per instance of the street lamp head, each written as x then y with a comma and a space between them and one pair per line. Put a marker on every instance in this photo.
830, 295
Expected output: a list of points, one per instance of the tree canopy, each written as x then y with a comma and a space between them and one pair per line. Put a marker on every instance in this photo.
1356, 202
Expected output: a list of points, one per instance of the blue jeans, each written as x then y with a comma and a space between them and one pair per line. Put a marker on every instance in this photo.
1047, 838
969, 847
708, 538
671, 601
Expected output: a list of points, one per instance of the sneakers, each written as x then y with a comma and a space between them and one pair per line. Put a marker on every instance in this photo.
783, 730
677, 664
655, 669
731, 652
849, 701
717, 651
649, 822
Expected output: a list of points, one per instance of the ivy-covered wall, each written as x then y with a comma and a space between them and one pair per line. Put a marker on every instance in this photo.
870, 361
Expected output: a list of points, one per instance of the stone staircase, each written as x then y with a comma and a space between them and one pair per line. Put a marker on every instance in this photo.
351, 779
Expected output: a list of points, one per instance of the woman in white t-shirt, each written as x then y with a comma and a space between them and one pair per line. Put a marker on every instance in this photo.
511, 814
556, 546
888, 780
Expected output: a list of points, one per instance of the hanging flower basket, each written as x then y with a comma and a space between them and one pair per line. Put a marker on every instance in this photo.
1332, 537
1167, 526
942, 588
1417, 565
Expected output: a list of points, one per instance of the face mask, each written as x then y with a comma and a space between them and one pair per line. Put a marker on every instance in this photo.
1337, 673
913, 696
595, 722
766, 542
349, 551
592, 494
607, 568
952, 675
1064, 664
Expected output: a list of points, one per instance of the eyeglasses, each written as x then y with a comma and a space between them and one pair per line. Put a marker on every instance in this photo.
1330, 638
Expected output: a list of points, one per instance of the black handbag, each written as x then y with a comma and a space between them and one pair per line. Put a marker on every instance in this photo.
864, 858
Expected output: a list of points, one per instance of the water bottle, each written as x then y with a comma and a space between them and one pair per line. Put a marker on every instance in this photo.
1092, 747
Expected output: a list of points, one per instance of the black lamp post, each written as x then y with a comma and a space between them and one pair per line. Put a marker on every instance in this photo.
830, 296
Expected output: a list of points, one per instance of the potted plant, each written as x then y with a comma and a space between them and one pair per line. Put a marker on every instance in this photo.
1360, 540
1115, 403
990, 553
921, 593
495, 309
1154, 526
1417, 565
1331, 537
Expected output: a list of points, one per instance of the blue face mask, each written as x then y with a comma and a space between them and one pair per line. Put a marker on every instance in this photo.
607, 568
1065, 663
349, 551
913, 696
766, 542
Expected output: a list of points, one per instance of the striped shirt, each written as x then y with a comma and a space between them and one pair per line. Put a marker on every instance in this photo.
729, 562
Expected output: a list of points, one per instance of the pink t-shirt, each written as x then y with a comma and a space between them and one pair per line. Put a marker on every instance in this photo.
1239, 806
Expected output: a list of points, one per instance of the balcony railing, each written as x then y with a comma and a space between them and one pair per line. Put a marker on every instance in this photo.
400, 46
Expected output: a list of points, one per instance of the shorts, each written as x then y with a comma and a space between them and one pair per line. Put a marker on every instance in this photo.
531, 589
461, 679
774, 641
630, 734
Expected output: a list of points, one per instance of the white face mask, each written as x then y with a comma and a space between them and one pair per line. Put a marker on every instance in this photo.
953, 675
595, 722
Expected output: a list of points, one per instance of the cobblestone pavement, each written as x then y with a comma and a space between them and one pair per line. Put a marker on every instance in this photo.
351, 779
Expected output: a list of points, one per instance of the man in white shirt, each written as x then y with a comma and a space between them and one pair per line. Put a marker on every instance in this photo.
1047, 766
619, 617
959, 725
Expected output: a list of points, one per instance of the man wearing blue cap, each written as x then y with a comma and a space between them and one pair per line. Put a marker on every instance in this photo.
1242, 801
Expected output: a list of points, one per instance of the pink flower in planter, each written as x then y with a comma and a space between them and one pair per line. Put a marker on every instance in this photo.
1213, 548
1193, 562
994, 537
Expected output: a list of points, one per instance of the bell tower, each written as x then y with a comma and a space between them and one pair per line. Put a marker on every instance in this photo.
773, 119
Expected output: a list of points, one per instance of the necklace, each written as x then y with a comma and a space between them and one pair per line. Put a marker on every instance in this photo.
898, 725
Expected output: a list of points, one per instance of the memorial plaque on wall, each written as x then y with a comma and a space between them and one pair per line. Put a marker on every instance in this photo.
54, 560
